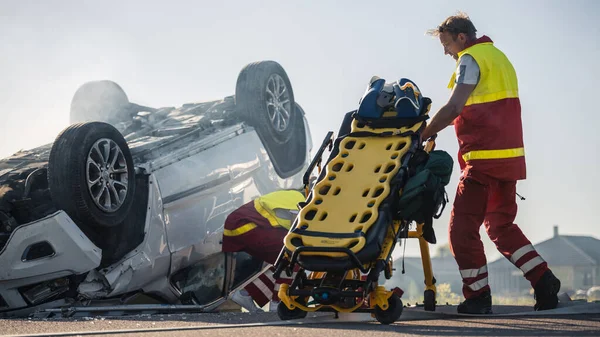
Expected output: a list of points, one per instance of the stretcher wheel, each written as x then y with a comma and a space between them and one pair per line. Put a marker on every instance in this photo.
286, 314
429, 300
393, 312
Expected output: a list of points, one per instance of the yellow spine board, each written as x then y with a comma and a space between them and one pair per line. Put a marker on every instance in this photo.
388, 243
357, 180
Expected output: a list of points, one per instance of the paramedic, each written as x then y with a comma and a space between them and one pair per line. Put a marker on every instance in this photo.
258, 228
485, 110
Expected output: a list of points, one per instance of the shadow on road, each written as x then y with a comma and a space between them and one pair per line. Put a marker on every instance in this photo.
580, 325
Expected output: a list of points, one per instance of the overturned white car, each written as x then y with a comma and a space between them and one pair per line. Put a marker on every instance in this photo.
127, 205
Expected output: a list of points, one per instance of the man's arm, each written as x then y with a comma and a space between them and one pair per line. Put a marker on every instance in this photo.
446, 115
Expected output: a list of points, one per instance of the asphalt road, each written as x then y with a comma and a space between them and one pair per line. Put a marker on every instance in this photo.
246, 325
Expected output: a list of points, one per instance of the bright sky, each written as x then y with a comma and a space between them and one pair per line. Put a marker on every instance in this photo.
168, 53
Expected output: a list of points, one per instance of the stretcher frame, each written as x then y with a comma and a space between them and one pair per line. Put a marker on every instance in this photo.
375, 299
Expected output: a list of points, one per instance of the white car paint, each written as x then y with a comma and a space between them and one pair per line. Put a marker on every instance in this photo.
201, 161
63, 235
184, 219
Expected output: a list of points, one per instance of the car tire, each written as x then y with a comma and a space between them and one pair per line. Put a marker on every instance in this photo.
102, 101
265, 99
95, 187
286, 148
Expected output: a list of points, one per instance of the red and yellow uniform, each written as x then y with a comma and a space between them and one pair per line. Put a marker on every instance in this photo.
492, 159
258, 228
489, 129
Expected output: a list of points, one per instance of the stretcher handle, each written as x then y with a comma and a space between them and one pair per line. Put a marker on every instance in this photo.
327, 142
430, 143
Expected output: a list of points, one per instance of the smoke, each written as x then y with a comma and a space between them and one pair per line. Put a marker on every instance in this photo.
103, 101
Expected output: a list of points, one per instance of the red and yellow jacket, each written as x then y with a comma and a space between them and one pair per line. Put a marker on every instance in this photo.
489, 129
262, 212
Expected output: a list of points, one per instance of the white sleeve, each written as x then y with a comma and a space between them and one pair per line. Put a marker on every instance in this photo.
467, 71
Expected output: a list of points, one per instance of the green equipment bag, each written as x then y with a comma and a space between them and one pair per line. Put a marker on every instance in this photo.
424, 195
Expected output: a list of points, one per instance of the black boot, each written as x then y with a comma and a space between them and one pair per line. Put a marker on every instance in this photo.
545, 292
481, 304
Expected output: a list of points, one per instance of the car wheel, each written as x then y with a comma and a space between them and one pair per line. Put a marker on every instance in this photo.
285, 141
91, 174
289, 158
265, 99
102, 101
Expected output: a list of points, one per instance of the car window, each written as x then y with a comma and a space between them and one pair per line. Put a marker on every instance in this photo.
245, 267
203, 282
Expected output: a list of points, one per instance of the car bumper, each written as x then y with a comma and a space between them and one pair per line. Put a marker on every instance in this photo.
37, 257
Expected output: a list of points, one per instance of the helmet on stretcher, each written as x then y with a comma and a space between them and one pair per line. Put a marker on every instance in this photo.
399, 99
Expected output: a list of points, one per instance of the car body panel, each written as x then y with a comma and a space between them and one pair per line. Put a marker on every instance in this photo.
73, 254
229, 169
146, 267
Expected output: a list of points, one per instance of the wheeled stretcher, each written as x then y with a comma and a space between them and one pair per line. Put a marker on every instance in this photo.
345, 232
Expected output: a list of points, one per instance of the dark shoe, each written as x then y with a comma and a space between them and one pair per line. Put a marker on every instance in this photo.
545, 292
480, 305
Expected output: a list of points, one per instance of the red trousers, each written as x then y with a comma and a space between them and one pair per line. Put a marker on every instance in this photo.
264, 243
483, 199
265, 287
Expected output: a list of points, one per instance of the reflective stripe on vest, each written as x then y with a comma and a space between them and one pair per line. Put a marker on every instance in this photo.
285, 200
494, 154
497, 81
275, 209
240, 230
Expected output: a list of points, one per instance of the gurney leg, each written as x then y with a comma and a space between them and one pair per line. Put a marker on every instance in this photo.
430, 289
